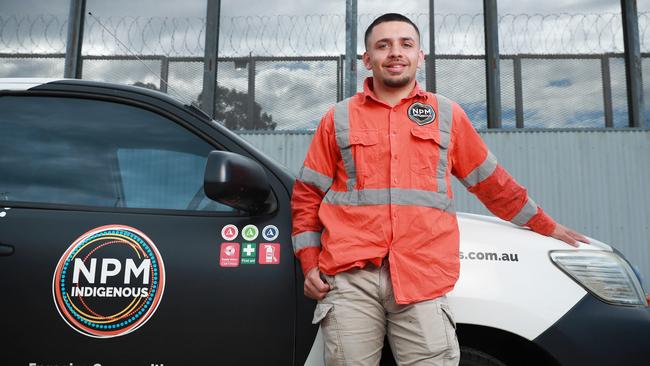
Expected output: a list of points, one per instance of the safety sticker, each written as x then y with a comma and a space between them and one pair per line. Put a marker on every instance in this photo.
420, 113
250, 232
229, 232
270, 232
229, 255
269, 253
248, 253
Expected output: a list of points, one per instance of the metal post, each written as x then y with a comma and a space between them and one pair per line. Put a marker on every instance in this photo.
519, 94
492, 70
607, 91
339, 78
76, 19
208, 98
633, 63
164, 73
251, 93
431, 60
350, 48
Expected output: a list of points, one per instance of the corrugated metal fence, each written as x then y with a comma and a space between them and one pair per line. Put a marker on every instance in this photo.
595, 181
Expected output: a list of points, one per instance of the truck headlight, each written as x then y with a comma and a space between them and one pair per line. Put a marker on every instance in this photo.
604, 274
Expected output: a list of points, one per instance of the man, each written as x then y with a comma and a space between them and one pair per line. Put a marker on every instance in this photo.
374, 225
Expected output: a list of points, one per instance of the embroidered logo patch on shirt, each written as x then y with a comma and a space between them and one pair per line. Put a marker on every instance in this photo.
422, 114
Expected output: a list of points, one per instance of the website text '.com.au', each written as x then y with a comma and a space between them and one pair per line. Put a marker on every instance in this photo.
490, 256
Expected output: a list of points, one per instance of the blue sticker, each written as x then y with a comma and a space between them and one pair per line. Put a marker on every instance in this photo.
270, 232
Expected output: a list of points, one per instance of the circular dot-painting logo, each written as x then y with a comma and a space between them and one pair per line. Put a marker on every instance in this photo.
109, 282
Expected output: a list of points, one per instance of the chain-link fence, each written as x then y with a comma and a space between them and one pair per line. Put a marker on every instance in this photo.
283, 72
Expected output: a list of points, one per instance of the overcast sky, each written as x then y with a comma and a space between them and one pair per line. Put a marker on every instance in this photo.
297, 93
192, 8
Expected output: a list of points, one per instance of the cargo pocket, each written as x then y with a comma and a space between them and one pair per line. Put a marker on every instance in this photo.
453, 351
426, 147
321, 312
363, 147
324, 314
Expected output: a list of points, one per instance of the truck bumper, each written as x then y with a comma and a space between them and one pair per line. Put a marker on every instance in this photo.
596, 333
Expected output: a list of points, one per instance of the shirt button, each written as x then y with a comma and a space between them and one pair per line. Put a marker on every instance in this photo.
395, 180
356, 138
395, 214
394, 132
395, 157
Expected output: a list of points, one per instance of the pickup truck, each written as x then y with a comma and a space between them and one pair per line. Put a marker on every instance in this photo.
135, 230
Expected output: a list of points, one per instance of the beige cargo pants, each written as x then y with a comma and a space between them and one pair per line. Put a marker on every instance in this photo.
360, 310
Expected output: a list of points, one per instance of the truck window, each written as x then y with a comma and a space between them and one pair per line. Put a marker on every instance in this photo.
96, 153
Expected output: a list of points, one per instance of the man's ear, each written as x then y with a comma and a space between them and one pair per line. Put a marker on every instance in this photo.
366, 61
420, 59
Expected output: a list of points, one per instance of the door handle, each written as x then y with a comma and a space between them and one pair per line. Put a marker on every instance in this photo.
6, 250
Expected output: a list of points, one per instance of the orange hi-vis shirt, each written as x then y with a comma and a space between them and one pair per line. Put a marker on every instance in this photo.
376, 183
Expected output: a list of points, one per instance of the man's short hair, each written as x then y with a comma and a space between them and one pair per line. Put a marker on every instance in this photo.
389, 17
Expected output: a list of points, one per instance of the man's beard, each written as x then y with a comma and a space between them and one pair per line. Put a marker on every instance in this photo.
397, 83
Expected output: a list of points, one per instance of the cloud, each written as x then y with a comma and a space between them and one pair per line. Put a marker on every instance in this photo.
298, 93
562, 93
24, 67
122, 71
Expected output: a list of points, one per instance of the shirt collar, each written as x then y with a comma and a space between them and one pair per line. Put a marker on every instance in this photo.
369, 93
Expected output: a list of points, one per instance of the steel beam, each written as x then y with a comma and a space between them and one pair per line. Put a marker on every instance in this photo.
164, 74
492, 68
209, 93
607, 91
431, 60
350, 48
339, 77
519, 92
76, 19
633, 73
251, 93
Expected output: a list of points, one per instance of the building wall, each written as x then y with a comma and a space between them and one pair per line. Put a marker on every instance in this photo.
595, 181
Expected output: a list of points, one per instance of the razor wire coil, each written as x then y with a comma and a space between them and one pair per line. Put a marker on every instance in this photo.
317, 34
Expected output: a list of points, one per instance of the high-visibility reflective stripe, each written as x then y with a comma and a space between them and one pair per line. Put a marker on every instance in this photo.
306, 239
315, 178
416, 197
444, 125
526, 213
481, 172
342, 131
387, 196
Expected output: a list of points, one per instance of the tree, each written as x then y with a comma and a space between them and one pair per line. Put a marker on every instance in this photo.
231, 108
147, 85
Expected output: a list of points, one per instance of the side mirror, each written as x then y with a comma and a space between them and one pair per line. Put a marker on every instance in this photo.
238, 182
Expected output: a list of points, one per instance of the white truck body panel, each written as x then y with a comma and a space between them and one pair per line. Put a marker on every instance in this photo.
523, 296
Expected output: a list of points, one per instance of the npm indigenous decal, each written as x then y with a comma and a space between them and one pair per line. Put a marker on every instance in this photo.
109, 282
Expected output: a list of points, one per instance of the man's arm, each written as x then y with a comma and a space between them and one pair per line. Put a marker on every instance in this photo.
481, 174
313, 181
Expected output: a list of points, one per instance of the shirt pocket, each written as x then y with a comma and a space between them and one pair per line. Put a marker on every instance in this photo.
427, 147
363, 146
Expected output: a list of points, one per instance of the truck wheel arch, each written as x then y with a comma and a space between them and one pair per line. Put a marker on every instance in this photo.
507, 347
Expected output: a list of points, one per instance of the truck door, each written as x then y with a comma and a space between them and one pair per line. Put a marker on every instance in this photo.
111, 254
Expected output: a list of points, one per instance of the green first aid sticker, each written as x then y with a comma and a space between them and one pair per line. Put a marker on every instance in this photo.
250, 232
248, 253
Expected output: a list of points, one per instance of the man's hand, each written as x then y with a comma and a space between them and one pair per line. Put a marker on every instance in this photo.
568, 236
315, 288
